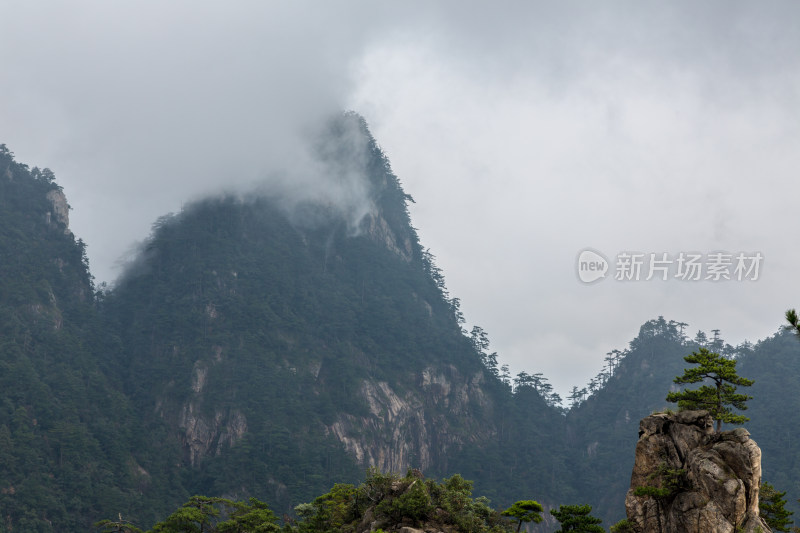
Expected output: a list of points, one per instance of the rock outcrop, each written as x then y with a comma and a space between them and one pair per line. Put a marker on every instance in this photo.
689, 479
60, 208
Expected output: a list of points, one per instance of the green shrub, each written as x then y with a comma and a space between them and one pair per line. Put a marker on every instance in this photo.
413, 504
623, 526
672, 481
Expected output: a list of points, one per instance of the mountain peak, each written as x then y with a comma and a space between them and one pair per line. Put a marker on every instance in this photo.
377, 203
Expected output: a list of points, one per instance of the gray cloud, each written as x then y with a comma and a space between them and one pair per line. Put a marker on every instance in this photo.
654, 128
139, 107
526, 131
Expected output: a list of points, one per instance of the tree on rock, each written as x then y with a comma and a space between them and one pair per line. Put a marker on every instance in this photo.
718, 397
576, 518
525, 511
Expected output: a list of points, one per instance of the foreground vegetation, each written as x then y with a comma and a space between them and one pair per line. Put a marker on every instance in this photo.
388, 502
382, 503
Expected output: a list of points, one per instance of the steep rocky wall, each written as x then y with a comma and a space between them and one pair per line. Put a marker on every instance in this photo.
413, 429
694, 480
379, 229
60, 208
204, 430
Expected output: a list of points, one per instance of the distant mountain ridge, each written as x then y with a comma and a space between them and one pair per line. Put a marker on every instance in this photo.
252, 350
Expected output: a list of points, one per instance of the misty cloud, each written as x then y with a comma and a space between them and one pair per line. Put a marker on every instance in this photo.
141, 107
654, 129
331, 171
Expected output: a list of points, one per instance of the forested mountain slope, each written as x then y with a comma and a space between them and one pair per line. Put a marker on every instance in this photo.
65, 429
285, 351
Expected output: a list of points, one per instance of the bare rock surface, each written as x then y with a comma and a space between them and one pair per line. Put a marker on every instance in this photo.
696, 480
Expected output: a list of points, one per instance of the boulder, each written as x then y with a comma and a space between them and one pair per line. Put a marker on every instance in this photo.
688, 479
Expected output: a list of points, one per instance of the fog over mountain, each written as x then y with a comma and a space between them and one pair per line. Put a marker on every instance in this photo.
525, 134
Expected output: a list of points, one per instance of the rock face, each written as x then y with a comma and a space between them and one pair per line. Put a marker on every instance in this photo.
411, 429
695, 480
60, 208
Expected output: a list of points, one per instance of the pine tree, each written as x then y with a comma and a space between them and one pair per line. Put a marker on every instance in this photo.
718, 397
771, 504
525, 511
793, 320
576, 518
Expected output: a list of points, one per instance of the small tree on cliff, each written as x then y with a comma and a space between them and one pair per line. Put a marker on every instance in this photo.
525, 511
772, 508
718, 397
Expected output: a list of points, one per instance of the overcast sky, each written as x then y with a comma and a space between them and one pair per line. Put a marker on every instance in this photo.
525, 131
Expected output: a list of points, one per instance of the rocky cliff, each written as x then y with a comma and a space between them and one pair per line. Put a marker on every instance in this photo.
687, 478
413, 429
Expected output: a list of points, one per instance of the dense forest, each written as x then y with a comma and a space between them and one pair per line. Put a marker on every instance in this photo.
255, 351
